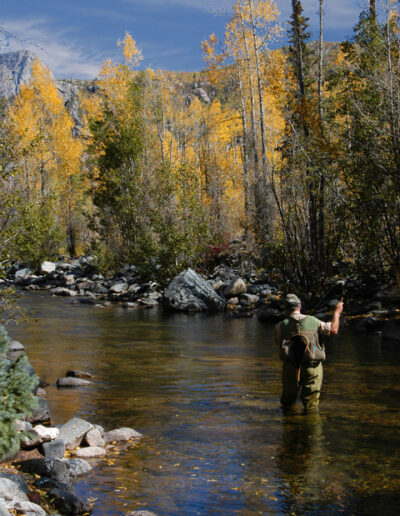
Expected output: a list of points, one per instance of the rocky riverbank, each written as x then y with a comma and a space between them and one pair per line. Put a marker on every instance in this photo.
370, 305
40, 480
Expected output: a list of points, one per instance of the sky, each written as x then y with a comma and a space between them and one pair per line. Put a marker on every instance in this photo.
75, 37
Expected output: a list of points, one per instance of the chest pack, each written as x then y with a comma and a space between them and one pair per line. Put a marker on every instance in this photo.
300, 341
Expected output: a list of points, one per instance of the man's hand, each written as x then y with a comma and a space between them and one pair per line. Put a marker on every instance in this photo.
339, 307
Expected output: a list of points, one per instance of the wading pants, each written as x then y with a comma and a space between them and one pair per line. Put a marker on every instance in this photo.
310, 381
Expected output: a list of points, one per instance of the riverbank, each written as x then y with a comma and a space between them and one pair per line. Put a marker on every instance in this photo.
40, 479
370, 306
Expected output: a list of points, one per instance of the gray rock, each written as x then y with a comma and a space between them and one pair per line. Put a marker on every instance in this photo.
23, 426
77, 467
28, 509
68, 503
70, 381
148, 302
90, 452
94, 438
15, 70
235, 288
41, 414
79, 374
55, 469
15, 345
248, 299
23, 273
65, 267
47, 267
202, 95
53, 449
3, 509
46, 433
100, 429
62, 291
391, 330
74, 431
13, 488
189, 292
69, 280
122, 434
119, 287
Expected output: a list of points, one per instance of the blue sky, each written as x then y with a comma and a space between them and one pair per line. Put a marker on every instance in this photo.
74, 37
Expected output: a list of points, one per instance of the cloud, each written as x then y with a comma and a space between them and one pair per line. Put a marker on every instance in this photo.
203, 5
64, 58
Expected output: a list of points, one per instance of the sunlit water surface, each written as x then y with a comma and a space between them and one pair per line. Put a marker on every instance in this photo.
204, 391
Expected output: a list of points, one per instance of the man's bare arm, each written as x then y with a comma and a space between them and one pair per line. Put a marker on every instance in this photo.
336, 317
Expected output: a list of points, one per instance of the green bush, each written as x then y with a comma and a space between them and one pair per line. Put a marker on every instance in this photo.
16, 396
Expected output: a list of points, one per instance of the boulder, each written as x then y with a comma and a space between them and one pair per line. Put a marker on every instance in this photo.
28, 509
189, 292
77, 467
74, 431
53, 449
75, 373
235, 288
55, 469
89, 452
70, 381
94, 438
117, 288
13, 488
69, 280
23, 273
248, 299
3, 509
68, 503
23, 426
62, 291
391, 330
47, 267
41, 414
46, 433
122, 434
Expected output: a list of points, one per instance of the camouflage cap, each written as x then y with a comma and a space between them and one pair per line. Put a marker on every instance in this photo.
292, 301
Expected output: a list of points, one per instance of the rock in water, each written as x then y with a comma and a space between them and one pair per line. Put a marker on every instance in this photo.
71, 381
90, 452
122, 434
79, 374
73, 432
189, 292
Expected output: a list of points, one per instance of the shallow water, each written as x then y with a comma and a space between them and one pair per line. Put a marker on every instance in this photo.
204, 391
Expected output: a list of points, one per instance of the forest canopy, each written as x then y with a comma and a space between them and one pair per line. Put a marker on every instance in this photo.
291, 149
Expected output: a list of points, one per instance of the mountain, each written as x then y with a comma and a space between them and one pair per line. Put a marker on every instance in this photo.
15, 70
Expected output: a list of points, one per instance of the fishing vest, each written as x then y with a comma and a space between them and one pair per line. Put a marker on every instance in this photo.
307, 327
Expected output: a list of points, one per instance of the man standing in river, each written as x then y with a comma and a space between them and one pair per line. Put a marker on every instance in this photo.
308, 376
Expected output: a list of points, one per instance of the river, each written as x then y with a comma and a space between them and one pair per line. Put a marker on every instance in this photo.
204, 391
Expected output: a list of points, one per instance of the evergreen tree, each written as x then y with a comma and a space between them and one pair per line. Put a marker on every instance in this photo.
16, 395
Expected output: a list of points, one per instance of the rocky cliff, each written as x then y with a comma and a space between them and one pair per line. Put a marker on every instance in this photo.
15, 70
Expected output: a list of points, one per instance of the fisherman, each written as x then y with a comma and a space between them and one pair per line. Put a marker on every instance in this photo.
302, 354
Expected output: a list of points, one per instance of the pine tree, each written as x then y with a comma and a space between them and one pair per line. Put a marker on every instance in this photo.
16, 394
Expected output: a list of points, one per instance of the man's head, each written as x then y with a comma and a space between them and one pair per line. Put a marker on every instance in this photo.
292, 302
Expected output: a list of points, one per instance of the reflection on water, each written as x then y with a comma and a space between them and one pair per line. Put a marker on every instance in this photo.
205, 393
